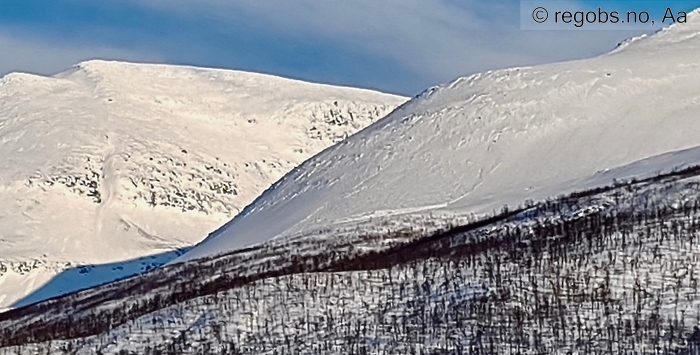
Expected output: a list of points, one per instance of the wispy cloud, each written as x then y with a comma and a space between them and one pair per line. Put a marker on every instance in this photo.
32, 55
431, 41
399, 46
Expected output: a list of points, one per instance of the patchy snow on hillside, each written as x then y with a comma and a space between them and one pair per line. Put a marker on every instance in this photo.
496, 138
596, 272
114, 162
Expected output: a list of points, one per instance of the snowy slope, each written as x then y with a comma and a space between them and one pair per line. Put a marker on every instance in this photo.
113, 161
598, 272
496, 138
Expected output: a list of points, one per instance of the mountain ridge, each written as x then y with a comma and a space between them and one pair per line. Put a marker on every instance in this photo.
112, 161
493, 138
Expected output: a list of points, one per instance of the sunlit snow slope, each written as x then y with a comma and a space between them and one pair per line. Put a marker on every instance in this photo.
498, 138
115, 161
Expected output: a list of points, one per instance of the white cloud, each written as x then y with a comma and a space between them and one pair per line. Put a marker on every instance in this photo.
36, 56
435, 40
431, 41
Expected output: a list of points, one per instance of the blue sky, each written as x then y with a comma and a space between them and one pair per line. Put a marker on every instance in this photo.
399, 46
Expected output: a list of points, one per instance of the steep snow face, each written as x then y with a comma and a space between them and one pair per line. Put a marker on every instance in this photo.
497, 138
114, 161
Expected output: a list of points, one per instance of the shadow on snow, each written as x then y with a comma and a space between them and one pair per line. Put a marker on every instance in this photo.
82, 277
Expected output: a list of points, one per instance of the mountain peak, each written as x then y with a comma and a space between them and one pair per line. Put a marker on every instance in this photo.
125, 159
676, 36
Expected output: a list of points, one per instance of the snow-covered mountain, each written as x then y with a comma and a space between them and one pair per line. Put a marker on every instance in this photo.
111, 168
496, 138
397, 241
602, 271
